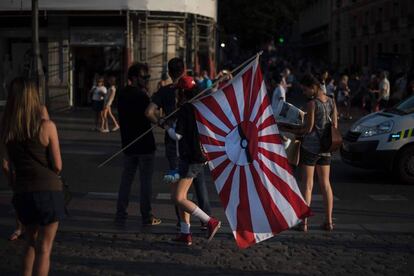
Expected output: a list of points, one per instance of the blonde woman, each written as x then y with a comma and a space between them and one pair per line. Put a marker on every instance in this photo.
109, 99
31, 159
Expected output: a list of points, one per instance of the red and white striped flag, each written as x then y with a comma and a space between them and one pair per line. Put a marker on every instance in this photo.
247, 159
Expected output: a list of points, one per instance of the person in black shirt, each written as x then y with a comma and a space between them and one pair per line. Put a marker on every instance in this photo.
165, 99
132, 103
191, 163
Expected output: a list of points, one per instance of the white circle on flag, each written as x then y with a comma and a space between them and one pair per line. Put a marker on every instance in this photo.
234, 149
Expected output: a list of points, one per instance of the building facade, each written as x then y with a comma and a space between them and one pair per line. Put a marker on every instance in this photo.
314, 30
372, 34
81, 39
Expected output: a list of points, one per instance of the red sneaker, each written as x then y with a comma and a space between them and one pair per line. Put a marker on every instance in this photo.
185, 239
212, 226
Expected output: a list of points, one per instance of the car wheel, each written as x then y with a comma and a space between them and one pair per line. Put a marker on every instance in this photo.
405, 165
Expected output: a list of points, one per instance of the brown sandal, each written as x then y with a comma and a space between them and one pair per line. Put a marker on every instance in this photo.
16, 235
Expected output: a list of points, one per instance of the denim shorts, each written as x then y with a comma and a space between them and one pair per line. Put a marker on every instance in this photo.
187, 170
311, 159
39, 208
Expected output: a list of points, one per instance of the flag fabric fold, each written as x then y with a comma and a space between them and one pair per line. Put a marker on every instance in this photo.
247, 159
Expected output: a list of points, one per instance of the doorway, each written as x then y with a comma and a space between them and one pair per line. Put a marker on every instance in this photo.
91, 62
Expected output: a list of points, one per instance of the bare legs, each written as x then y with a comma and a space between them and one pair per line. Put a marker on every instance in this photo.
325, 185
179, 193
38, 248
105, 121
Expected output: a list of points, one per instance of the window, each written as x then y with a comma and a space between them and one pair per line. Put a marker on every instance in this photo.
379, 47
395, 48
366, 55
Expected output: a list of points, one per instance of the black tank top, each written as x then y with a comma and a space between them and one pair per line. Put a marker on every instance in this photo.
33, 167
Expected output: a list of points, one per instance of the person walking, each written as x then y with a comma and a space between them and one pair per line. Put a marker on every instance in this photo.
320, 113
191, 163
98, 96
165, 99
132, 103
109, 99
29, 147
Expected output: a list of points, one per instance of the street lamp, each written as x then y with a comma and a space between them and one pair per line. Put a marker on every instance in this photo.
222, 45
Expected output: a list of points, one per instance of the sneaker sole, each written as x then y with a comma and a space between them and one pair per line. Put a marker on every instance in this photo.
214, 232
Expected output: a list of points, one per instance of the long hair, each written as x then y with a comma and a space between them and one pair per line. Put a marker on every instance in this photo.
22, 115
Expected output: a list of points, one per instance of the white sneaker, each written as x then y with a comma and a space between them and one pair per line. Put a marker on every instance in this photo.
115, 128
104, 130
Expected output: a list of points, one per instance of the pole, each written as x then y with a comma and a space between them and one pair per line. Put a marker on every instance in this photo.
36, 71
175, 111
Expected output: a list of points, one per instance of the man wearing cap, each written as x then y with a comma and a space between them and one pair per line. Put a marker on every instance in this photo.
165, 99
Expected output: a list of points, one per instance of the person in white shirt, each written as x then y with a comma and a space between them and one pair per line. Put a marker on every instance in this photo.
98, 96
383, 91
279, 94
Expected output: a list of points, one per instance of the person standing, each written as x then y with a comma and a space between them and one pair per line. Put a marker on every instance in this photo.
98, 96
320, 114
109, 99
29, 147
165, 99
132, 103
383, 91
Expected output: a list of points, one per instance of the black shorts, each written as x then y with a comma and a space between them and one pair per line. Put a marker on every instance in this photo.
186, 170
311, 159
39, 208
97, 105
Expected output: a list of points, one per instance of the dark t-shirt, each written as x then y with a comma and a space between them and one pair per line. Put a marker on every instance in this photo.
165, 98
189, 146
132, 103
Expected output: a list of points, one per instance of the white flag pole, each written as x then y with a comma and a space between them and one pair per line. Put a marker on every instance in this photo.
256, 56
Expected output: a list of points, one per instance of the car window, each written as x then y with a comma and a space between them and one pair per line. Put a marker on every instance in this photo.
406, 106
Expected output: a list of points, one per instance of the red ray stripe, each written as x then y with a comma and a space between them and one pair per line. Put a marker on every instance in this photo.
210, 125
244, 231
206, 140
214, 155
301, 209
247, 81
274, 216
231, 98
261, 110
217, 171
273, 138
226, 189
266, 123
257, 83
280, 160
212, 104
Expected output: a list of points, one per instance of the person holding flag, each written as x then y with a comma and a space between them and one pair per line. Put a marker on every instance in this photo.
191, 163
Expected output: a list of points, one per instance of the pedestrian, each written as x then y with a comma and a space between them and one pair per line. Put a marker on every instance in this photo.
165, 80
132, 103
330, 87
206, 81
191, 163
320, 113
344, 98
109, 99
324, 80
98, 93
383, 91
165, 100
29, 147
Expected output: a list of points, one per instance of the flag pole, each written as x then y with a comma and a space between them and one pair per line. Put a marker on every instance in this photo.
256, 56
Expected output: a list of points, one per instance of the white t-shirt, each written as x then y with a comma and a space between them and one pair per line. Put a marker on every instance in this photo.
279, 94
99, 93
384, 85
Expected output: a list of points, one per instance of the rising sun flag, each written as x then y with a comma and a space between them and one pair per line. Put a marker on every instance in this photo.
247, 159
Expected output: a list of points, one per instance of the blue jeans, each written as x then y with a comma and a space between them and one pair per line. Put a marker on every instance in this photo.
198, 182
145, 164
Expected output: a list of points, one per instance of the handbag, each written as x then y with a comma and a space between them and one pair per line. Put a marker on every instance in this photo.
293, 152
331, 138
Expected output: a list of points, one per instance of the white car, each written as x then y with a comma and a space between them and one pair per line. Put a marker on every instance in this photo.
383, 140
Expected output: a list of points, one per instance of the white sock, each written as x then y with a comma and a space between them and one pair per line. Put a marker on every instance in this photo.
184, 228
200, 214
